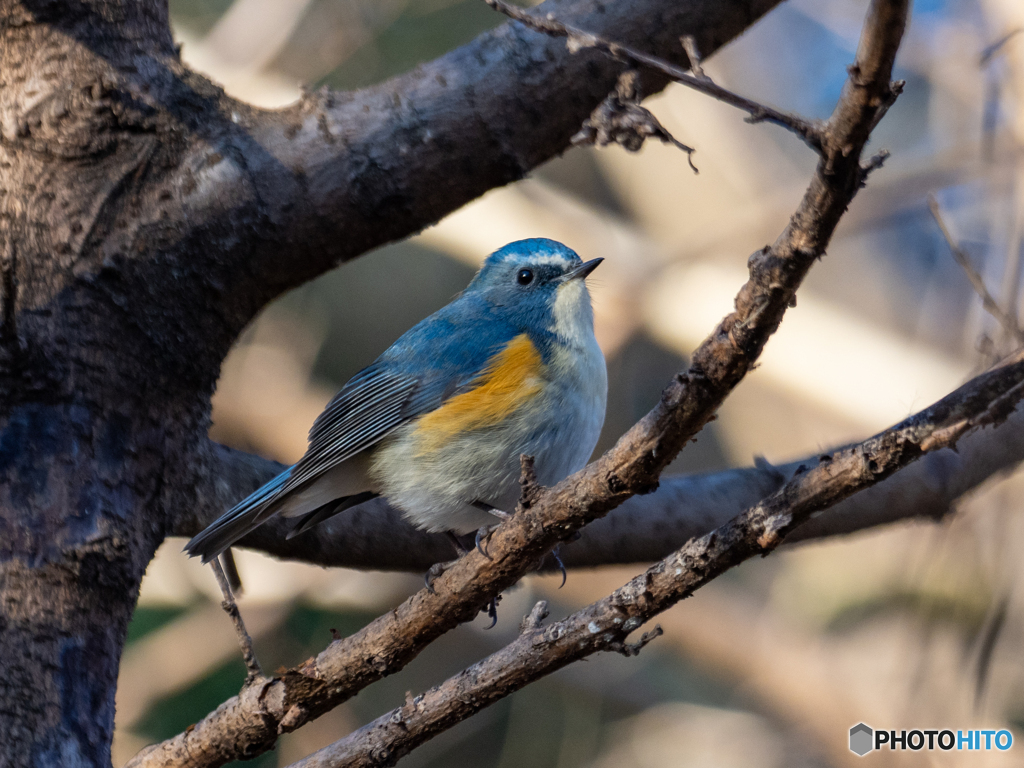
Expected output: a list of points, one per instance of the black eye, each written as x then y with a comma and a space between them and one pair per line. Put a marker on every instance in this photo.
525, 276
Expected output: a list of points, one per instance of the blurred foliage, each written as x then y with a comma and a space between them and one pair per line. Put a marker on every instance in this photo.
197, 16
148, 619
956, 611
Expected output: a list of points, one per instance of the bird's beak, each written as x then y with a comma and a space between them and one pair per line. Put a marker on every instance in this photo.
583, 270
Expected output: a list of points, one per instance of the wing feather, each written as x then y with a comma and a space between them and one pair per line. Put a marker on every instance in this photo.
363, 413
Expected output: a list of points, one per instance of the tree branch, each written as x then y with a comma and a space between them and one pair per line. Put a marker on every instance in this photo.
578, 39
977, 282
232, 205
642, 529
251, 722
606, 624
381, 163
252, 664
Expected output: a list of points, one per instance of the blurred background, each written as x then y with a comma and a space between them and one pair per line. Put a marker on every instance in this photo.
911, 626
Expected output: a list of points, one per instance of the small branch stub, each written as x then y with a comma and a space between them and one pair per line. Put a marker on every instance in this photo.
873, 164
528, 483
535, 618
620, 119
689, 44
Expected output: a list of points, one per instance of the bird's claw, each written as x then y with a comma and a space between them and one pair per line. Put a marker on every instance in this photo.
431, 575
492, 611
483, 535
561, 565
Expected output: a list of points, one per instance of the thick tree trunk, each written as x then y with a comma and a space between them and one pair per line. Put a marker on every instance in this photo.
89, 419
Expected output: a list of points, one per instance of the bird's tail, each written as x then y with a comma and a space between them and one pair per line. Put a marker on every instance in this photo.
325, 511
246, 515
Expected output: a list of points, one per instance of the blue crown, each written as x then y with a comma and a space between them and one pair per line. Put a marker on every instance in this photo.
523, 250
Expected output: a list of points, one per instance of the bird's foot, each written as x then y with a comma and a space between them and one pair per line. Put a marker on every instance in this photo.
492, 611
483, 535
435, 570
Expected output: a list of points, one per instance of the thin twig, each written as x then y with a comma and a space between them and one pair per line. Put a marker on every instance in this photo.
810, 132
605, 625
227, 560
990, 51
1012, 271
252, 664
987, 301
990, 113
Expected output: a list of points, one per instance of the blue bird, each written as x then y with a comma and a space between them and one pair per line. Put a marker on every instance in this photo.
438, 422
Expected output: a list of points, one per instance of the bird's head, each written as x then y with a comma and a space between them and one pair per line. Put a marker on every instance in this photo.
540, 282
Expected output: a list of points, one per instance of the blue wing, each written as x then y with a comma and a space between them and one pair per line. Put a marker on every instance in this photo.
434, 360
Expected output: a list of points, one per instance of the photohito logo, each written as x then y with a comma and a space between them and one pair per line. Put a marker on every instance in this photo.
864, 739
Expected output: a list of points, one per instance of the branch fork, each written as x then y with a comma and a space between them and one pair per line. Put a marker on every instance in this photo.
810, 131
633, 649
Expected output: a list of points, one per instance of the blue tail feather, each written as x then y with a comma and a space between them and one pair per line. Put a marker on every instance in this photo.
246, 515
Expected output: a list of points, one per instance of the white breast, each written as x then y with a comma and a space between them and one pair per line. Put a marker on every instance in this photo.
581, 393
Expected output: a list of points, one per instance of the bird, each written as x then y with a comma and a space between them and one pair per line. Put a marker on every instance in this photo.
437, 424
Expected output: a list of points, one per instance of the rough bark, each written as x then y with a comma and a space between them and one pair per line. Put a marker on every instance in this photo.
89, 416
145, 217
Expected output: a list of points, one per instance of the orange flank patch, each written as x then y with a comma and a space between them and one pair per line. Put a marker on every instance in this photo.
510, 378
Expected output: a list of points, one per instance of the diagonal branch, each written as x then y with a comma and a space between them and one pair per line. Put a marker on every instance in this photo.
251, 722
239, 204
578, 39
989, 303
379, 164
606, 624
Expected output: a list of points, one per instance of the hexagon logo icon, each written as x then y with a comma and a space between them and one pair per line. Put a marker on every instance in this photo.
861, 738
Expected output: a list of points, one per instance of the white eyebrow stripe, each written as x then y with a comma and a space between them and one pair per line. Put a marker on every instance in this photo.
553, 258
